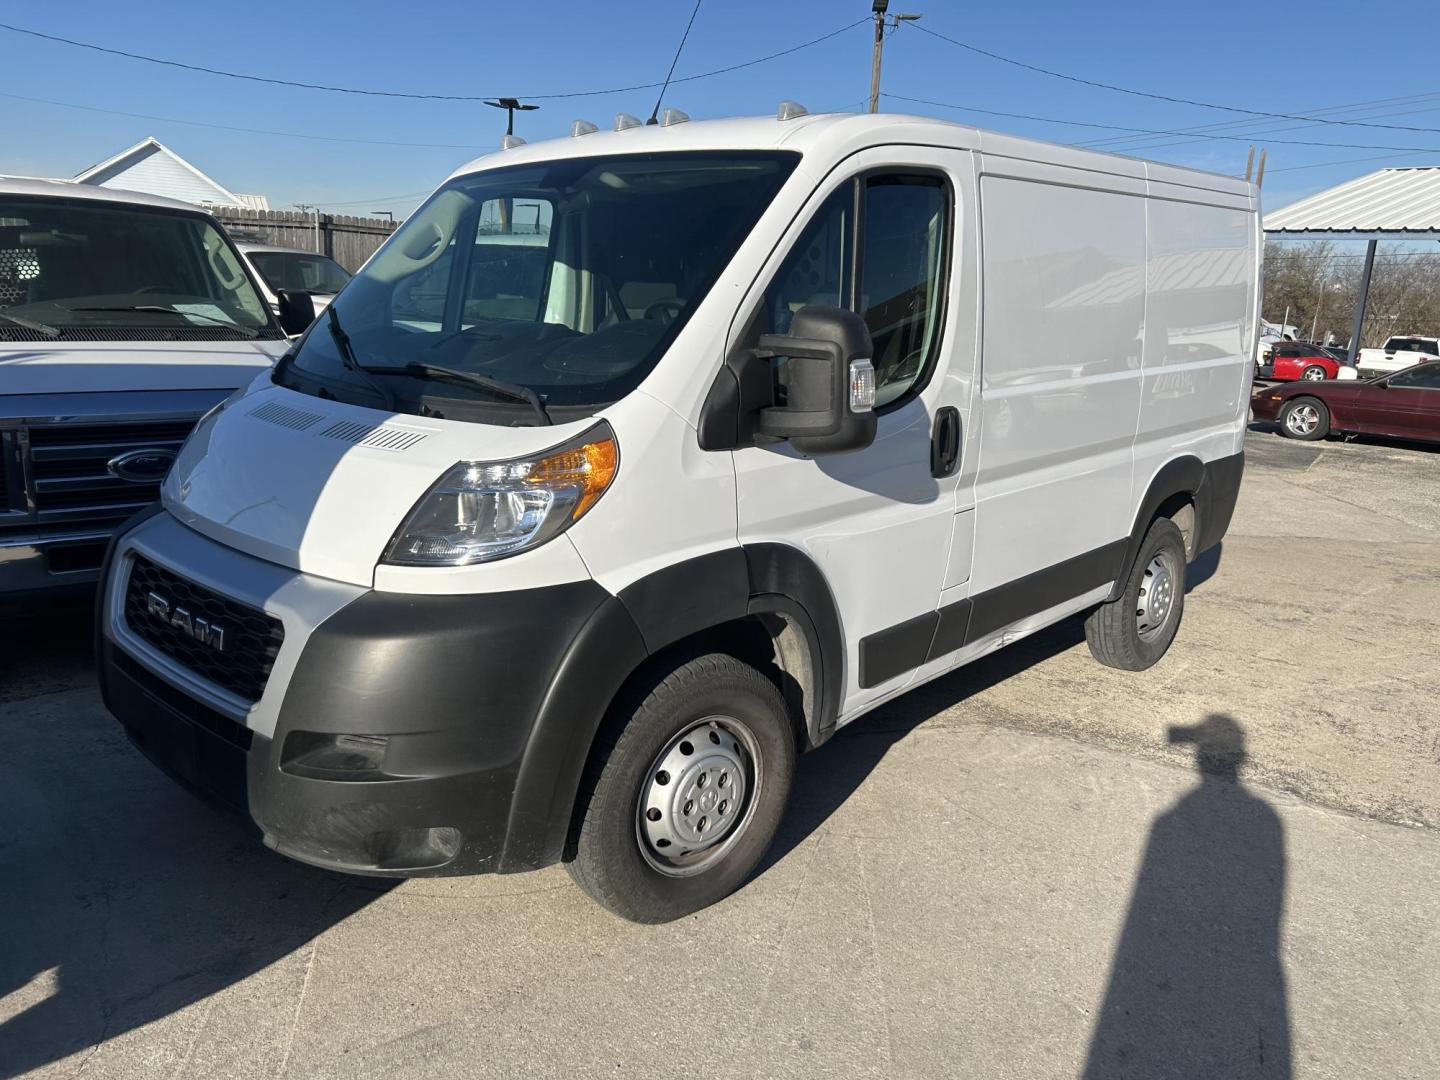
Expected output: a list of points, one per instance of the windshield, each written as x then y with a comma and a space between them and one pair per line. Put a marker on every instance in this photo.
299, 271
95, 271
1412, 344
565, 278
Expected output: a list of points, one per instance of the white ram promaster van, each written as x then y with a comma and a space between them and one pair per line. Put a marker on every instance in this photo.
123, 318
637, 462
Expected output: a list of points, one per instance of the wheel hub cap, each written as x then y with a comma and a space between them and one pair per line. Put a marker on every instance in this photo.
1157, 597
696, 798
1303, 419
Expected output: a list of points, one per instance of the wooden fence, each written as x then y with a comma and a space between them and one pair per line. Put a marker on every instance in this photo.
348, 240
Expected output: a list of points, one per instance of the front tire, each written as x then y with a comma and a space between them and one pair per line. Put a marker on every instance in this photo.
1305, 418
685, 791
1134, 632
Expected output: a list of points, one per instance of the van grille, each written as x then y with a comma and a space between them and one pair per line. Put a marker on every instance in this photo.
251, 641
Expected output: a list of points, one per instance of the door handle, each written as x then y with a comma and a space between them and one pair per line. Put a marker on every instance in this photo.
945, 442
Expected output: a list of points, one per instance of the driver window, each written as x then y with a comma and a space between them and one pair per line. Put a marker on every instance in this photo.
900, 285
1420, 378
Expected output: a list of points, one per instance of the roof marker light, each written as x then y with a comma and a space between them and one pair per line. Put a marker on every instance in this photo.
509, 142
624, 121
789, 110
582, 127
671, 117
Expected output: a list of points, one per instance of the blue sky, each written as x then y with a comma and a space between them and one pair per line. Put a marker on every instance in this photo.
1258, 54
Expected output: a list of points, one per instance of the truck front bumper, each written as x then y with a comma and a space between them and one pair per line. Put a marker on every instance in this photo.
396, 735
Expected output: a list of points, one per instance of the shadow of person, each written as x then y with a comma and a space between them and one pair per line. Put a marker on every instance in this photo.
1197, 989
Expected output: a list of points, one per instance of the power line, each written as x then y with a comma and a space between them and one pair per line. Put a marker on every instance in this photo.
412, 95
1163, 97
1252, 133
1323, 164
227, 127
1248, 125
1154, 131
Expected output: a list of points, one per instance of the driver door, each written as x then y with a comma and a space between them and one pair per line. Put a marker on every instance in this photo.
881, 239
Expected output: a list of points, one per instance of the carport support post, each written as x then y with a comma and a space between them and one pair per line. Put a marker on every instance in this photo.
1364, 299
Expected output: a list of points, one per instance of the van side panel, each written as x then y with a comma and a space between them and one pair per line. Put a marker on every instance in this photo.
1199, 272
1064, 317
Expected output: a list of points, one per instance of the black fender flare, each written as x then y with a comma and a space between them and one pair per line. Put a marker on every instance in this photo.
1180, 476
645, 617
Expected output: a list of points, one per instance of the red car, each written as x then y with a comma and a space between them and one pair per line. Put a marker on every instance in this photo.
1291, 360
1405, 405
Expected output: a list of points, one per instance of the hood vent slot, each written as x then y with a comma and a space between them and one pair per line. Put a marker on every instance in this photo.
378, 437
284, 416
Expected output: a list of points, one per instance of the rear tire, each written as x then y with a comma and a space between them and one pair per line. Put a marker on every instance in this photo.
1305, 418
1133, 632
657, 838
1313, 373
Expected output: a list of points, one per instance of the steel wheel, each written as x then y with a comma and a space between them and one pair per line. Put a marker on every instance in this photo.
1156, 599
1314, 373
698, 797
1302, 420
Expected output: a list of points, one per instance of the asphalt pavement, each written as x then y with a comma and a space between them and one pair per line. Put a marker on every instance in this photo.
1035, 867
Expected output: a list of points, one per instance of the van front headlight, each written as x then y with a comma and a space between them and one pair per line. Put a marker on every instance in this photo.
484, 510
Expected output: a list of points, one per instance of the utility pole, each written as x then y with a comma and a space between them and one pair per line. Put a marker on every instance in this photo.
882, 23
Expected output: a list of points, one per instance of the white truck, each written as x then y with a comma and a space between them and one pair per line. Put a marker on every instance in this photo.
1398, 353
562, 551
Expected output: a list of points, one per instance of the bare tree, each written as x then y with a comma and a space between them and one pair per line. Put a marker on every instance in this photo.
1320, 284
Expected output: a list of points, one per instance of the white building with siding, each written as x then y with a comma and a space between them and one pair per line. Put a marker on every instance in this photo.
152, 167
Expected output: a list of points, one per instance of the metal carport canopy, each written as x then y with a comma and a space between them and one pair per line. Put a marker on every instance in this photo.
1392, 204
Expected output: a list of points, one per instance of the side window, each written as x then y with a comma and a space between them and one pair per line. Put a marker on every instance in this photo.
892, 273
820, 266
1421, 378
902, 277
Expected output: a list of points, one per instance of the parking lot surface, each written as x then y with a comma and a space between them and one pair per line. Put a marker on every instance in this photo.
1012, 872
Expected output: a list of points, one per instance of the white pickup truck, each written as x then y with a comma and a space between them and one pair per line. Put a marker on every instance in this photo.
1398, 353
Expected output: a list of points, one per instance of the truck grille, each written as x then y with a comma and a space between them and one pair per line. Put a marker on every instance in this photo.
68, 475
251, 639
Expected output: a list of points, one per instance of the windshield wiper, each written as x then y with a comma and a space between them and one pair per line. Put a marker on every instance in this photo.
348, 358
514, 391
31, 324
161, 309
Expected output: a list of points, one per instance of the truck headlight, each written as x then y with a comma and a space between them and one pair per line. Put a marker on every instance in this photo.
483, 510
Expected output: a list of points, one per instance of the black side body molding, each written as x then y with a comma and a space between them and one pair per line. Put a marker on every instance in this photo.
905, 646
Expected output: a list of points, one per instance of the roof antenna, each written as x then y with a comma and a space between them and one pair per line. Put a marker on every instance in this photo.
655, 112
510, 105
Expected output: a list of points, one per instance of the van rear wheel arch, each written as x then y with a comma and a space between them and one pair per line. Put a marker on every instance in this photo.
1173, 493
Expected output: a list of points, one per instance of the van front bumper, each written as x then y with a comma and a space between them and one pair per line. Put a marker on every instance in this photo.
398, 735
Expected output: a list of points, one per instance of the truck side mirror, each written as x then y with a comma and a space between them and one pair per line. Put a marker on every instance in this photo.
297, 311
829, 382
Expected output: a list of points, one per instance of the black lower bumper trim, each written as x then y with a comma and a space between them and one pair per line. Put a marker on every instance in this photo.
195, 749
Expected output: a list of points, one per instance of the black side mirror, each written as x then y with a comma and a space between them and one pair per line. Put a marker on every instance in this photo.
297, 311
830, 382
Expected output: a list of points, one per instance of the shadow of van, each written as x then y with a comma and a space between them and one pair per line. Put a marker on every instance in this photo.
122, 898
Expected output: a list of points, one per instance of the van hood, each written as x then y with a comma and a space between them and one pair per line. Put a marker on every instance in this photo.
321, 486
46, 367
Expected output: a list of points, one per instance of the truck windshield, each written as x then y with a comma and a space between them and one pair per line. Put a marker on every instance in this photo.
566, 278
88, 270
